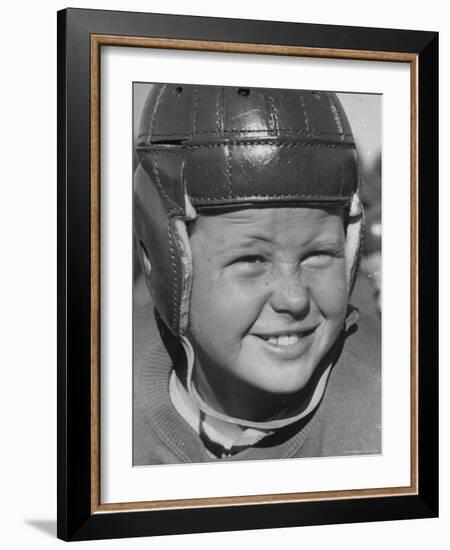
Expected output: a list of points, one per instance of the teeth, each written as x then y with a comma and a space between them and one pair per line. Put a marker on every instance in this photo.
284, 340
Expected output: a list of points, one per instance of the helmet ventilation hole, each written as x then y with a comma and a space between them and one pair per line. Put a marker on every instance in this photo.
244, 92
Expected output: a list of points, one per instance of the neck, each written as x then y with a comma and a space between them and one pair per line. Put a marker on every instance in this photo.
227, 396
235, 398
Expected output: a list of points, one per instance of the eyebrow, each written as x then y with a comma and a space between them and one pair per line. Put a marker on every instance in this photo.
245, 243
242, 246
249, 239
328, 240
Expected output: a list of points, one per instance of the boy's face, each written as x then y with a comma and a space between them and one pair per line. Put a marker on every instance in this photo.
269, 295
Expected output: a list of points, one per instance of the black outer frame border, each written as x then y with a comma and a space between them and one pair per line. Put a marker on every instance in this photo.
75, 521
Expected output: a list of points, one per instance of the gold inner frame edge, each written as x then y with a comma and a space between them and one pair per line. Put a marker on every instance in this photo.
97, 41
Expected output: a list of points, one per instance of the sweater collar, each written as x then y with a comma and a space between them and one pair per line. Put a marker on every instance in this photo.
170, 427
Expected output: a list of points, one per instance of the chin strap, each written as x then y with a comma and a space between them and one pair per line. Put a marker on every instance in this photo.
267, 425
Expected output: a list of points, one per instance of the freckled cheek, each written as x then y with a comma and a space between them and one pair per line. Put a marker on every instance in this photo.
238, 300
329, 292
229, 302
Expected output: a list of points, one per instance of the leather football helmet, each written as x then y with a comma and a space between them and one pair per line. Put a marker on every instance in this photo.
211, 147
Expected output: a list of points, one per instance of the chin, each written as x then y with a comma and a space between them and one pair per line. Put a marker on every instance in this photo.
282, 371
278, 378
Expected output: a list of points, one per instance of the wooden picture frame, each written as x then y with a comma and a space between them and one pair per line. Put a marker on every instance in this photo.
81, 36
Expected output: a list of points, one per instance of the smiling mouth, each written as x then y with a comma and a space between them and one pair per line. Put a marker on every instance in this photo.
286, 339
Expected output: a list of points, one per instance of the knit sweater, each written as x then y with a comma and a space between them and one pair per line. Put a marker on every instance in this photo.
346, 422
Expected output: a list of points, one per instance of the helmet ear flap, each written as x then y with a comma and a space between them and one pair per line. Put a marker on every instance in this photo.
354, 240
158, 254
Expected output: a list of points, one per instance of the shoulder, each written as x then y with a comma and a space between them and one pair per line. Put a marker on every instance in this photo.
351, 411
362, 345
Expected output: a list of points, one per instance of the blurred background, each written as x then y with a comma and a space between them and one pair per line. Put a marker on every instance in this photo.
364, 114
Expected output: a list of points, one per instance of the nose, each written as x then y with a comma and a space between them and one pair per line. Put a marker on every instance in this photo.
290, 295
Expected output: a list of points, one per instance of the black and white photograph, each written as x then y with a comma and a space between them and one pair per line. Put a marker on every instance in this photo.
257, 263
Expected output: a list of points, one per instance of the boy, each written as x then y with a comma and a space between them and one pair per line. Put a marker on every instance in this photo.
249, 229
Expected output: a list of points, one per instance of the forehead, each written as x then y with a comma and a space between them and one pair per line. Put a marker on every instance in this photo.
276, 225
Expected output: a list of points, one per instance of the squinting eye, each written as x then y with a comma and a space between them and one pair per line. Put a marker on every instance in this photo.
318, 259
252, 259
252, 264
